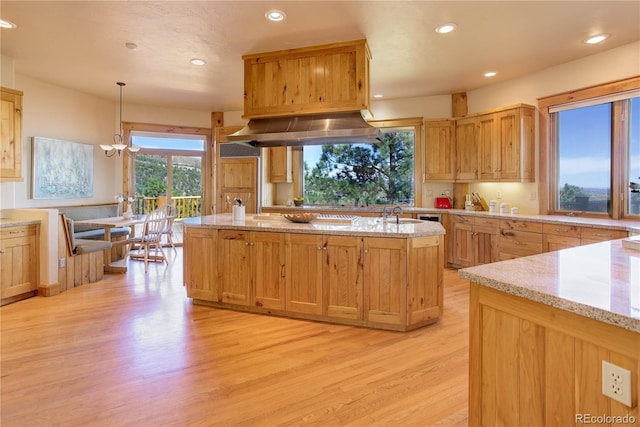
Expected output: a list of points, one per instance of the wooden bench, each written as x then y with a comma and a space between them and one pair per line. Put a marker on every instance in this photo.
83, 258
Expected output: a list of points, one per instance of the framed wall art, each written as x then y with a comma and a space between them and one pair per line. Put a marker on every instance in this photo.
61, 169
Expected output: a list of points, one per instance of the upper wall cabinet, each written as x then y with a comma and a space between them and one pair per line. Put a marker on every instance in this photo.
439, 153
279, 164
326, 78
11, 135
507, 146
491, 147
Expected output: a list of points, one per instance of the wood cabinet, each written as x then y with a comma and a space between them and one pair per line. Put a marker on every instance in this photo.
519, 238
466, 149
251, 268
342, 277
559, 236
385, 279
515, 373
326, 78
472, 240
303, 283
10, 135
279, 164
19, 271
506, 145
590, 235
324, 275
199, 256
439, 152
388, 283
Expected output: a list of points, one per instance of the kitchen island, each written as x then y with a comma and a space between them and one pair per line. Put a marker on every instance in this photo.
364, 272
540, 327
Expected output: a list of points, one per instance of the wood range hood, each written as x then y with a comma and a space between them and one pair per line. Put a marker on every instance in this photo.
308, 96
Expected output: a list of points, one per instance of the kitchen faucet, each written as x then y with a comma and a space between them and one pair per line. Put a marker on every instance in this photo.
397, 211
385, 213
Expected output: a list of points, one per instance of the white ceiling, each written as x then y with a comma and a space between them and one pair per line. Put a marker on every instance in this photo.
81, 44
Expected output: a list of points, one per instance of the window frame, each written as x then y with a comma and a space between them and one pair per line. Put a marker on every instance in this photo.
128, 164
548, 161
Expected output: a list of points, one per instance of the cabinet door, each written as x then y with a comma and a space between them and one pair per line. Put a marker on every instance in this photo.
237, 177
200, 264
18, 262
279, 164
487, 147
269, 269
439, 153
234, 272
385, 280
425, 260
462, 241
552, 242
508, 144
10, 135
485, 236
342, 277
303, 280
466, 149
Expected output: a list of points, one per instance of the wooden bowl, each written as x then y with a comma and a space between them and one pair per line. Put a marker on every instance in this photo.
298, 202
307, 217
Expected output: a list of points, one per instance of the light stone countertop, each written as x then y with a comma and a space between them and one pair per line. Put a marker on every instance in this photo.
372, 227
599, 281
12, 222
625, 224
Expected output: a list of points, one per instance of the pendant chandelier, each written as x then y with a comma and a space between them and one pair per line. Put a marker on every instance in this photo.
118, 145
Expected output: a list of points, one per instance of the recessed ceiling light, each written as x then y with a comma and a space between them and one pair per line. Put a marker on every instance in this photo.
131, 46
275, 15
198, 61
7, 24
490, 74
378, 95
596, 39
446, 28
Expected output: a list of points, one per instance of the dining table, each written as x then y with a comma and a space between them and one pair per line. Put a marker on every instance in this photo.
107, 224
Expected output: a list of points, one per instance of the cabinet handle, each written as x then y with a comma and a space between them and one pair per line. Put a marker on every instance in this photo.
557, 230
282, 270
16, 232
603, 235
1, 251
520, 243
319, 248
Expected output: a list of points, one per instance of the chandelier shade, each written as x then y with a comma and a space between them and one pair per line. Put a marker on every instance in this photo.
118, 145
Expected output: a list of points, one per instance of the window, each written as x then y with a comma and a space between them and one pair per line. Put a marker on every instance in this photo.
168, 169
362, 174
584, 159
593, 150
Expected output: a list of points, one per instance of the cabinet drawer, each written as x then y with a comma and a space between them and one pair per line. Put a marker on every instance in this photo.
590, 235
22, 231
461, 219
561, 230
489, 222
521, 243
535, 227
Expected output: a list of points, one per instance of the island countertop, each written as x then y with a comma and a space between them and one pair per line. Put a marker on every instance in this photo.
599, 281
362, 226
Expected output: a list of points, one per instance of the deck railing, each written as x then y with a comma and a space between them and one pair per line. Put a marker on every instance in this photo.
186, 206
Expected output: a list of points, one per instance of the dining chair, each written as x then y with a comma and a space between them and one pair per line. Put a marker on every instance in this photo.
150, 239
170, 212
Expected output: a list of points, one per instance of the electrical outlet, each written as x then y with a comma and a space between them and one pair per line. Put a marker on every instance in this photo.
429, 193
616, 383
447, 193
499, 195
62, 262
532, 195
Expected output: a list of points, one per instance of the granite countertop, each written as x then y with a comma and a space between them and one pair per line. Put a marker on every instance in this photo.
12, 222
363, 226
599, 281
625, 224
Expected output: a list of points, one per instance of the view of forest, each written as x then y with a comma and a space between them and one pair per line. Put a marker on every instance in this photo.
379, 173
151, 176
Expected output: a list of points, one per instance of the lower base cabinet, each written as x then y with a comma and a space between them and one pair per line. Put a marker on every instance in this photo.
389, 283
18, 262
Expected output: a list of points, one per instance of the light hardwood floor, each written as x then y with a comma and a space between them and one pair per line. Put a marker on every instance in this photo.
131, 350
